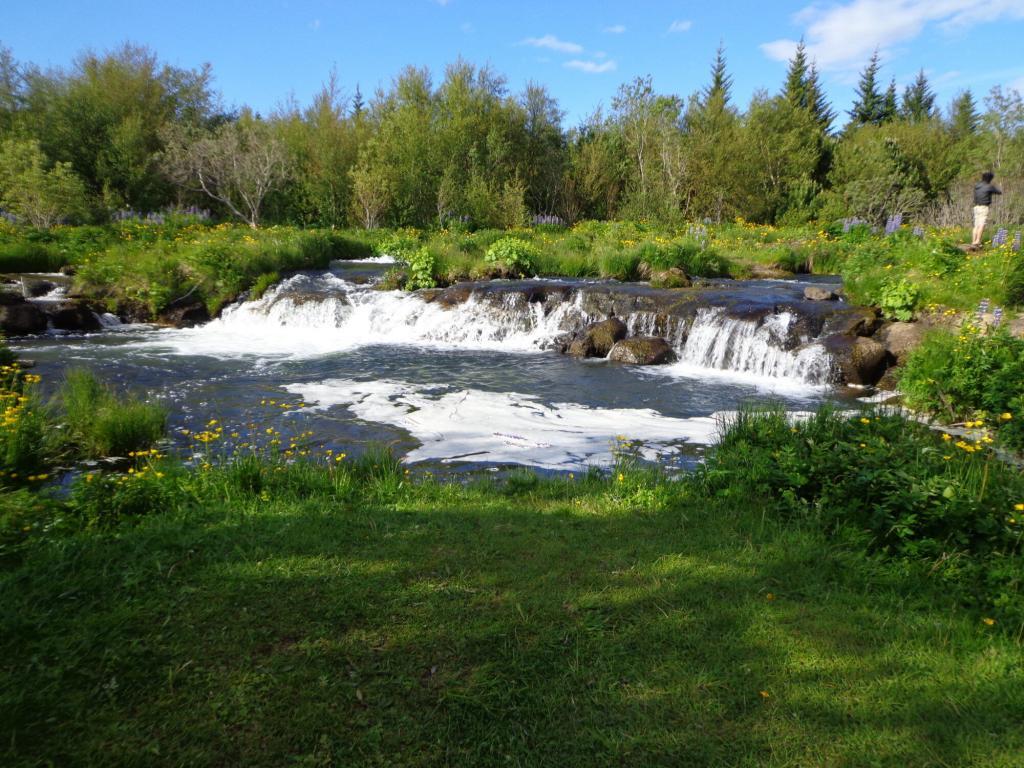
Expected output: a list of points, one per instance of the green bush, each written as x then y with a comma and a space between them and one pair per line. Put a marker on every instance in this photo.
974, 372
516, 256
892, 485
898, 299
104, 499
421, 269
102, 424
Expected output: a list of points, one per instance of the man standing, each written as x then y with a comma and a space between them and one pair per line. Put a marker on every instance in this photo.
983, 192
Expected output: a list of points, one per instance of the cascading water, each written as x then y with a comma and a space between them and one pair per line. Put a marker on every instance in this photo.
720, 342
325, 311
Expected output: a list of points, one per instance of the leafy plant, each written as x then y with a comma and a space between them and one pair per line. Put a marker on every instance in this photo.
897, 299
421, 270
515, 255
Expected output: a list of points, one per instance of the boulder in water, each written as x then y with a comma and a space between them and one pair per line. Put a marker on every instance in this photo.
817, 293
74, 317
860, 360
673, 277
855, 321
598, 339
19, 317
185, 315
642, 350
900, 339
33, 288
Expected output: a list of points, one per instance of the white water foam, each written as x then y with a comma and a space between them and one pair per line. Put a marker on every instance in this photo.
508, 427
313, 315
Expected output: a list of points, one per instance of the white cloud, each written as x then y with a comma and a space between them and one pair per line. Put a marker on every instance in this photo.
591, 67
315, 25
553, 43
615, 29
680, 25
841, 37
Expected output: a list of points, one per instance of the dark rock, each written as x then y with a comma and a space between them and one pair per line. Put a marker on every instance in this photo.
900, 339
673, 277
598, 339
860, 360
32, 288
18, 319
74, 317
856, 321
888, 381
132, 311
185, 315
68, 269
817, 293
642, 350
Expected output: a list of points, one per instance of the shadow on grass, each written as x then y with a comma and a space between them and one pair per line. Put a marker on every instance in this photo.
488, 633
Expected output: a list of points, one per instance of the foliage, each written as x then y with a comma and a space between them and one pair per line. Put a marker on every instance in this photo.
102, 424
26, 442
238, 165
421, 269
514, 255
890, 484
977, 373
41, 196
897, 299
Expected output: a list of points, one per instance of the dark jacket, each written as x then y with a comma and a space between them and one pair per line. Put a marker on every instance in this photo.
983, 192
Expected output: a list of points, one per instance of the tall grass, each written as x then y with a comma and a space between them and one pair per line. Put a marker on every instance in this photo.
101, 423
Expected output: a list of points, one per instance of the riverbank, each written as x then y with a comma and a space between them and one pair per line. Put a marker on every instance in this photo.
339, 612
189, 268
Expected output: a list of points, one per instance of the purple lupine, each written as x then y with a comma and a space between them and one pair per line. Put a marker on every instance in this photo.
1000, 238
548, 218
983, 306
1015, 245
852, 222
997, 316
919, 231
893, 223
8, 217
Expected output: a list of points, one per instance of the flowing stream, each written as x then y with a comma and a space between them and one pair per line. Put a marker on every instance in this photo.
470, 377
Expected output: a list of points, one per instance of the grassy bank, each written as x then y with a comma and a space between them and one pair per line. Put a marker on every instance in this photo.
154, 265
815, 596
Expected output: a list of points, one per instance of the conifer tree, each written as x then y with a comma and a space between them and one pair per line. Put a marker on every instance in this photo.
357, 103
797, 81
963, 115
918, 100
890, 106
817, 102
719, 89
867, 109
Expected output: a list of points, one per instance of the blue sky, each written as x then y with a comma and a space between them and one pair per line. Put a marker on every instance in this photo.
264, 50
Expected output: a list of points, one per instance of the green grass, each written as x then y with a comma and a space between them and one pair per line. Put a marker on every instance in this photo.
361, 616
102, 424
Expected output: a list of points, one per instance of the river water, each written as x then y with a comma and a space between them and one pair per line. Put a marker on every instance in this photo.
471, 385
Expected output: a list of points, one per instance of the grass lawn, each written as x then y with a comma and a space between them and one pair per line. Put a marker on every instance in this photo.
556, 623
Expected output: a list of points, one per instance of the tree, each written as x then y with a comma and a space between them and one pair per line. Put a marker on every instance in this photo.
11, 90
817, 101
1004, 134
890, 106
963, 115
237, 165
796, 90
720, 87
868, 107
371, 194
42, 197
918, 100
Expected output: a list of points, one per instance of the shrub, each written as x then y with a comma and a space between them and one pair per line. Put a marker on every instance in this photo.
513, 254
104, 499
898, 299
977, 371
102, 424
421, 270
893, 485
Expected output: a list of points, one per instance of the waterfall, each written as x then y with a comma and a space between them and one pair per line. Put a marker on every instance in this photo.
720, 342
318, 313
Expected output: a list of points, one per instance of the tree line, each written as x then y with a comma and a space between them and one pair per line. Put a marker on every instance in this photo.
122, 131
